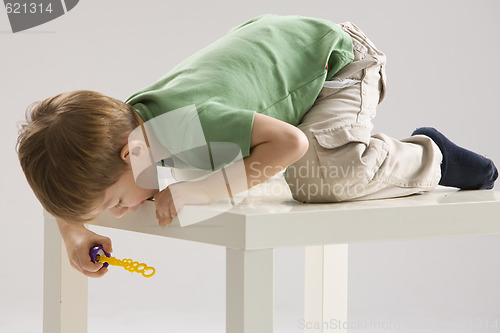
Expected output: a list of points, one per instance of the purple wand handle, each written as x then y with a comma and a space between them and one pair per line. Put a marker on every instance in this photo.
98, 251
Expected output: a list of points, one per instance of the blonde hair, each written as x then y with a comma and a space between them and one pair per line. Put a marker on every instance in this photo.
69, 149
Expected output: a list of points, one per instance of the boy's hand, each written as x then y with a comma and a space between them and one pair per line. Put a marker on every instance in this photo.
171, 200
78, 241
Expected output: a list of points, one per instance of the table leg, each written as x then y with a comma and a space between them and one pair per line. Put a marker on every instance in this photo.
249, 291
65, 291
325, 287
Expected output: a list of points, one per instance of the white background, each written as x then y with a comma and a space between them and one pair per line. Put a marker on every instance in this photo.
442, 70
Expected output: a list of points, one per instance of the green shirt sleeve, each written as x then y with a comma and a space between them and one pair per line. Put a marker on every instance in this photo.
223, 123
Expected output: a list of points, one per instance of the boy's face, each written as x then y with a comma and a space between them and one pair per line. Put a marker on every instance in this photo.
124, 196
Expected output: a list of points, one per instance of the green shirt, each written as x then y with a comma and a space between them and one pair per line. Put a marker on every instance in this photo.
274, 65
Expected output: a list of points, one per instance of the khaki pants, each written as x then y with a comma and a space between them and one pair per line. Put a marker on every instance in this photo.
345, 161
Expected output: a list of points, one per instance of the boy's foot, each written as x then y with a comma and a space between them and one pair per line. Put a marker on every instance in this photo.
461, 168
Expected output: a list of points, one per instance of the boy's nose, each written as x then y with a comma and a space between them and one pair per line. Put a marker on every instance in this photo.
118, 212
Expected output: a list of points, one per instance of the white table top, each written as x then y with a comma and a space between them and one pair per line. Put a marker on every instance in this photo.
270, 218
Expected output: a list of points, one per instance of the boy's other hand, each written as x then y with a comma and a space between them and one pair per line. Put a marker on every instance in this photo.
78, 241
171, 200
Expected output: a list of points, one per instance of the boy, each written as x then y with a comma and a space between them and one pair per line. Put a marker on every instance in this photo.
290, 92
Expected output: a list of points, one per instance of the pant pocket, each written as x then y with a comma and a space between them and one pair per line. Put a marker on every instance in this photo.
331, 138
348, 160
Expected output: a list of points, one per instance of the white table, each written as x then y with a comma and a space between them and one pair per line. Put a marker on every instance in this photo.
268, 219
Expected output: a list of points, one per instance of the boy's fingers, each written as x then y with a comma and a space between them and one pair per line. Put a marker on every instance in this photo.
97, 274
106, 244
173, 210
162, 219
165, 220
163, 216
90, 266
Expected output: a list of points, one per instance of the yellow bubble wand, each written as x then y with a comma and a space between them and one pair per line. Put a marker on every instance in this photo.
97, 254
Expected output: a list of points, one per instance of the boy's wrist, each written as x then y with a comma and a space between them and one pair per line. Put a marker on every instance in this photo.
66, 227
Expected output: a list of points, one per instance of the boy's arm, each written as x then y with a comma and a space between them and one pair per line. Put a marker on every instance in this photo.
274, 146
78, 240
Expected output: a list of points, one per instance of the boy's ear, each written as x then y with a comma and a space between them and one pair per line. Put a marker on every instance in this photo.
134, 147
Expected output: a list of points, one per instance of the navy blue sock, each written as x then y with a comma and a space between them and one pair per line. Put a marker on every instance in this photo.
461, 168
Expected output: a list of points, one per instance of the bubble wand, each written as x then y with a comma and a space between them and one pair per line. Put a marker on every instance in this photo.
97, 254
